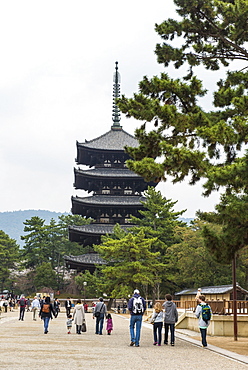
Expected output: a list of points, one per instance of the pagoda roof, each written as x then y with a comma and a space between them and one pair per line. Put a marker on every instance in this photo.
218, 289
111, 200
109, 172
115, 139
97, 229
87, 258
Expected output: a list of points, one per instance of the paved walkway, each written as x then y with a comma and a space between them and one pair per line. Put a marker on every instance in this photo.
24, 346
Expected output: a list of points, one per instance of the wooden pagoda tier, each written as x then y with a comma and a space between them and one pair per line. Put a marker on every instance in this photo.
106, 150
114, 181
108, 209
84, 262
91, 234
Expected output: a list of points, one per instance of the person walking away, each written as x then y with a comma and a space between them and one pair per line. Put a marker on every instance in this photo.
28, 304
136, 307
79, 316
56, 306
5, 305
109, 326
170, 318
69, 323
100, 311
46, 313
68, 306
35, 306
203, 313
22, 304
157, 320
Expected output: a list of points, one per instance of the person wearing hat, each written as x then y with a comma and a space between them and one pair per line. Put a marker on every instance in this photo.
100, 311
136, 307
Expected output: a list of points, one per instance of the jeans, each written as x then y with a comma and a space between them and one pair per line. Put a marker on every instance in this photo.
46, 323
135, 322
204, 337
166, 332
99, 323
157, 332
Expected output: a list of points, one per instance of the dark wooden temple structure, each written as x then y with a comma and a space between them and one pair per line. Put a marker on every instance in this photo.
115, 191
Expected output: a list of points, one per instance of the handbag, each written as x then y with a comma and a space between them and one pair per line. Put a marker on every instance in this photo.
97, 313
84, 329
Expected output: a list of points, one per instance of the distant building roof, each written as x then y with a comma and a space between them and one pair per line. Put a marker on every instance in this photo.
219, 289
112, 140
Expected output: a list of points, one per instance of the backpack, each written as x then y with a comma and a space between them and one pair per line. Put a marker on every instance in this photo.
22, 302
206, 312
137, 306
45, 308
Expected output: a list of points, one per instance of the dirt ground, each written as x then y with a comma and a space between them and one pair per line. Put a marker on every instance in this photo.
240, 346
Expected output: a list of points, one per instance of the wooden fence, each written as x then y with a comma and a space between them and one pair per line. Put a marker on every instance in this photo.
224, 307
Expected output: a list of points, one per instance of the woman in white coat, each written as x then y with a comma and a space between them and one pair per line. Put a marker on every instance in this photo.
79, 316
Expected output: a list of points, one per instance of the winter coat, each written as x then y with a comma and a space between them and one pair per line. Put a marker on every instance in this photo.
51, 312
171, 314
78, 314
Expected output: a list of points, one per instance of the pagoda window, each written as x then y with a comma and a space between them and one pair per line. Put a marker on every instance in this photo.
107, 163
105, 190
128, 190
104, 220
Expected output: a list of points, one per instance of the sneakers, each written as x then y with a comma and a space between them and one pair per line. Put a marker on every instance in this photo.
136, 345
69, 332
159, 345
132, 344
155, 343
165, 342
172, 344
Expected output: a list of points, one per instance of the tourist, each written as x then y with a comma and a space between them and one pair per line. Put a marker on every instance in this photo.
203, 313
136, 307
35, 306
109, 326
79, 316
68, 306
46, 313
170, 318
22, 304
100, 311
69, 323
56, 306
157, 321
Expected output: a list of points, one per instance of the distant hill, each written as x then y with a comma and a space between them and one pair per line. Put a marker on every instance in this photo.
12, 222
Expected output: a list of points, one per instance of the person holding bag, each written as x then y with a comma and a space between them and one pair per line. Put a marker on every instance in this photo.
79, 316
100, 311
157, 321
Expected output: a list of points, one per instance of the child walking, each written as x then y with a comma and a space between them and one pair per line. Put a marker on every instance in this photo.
69, 323
157, 320
109, 326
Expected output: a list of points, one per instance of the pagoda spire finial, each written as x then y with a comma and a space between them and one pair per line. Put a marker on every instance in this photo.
116, 116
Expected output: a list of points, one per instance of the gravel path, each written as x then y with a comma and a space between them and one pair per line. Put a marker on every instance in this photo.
24, 346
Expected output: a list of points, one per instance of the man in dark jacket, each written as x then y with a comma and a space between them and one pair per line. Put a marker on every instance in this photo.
136, 307
46, 313
100, 311
170, 318
68, 306
22, 304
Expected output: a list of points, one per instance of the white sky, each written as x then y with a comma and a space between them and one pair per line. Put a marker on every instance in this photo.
56, 80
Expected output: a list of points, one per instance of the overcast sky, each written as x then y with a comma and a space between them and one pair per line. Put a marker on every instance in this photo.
56, 80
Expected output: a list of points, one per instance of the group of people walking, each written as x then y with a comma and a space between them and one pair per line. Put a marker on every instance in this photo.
165, 314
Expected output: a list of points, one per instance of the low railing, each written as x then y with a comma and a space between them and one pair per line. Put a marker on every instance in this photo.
223, 307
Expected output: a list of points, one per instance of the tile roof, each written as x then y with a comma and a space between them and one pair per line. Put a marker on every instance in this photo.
97, 229
89, 258
219, 289
108, 172
117, 200
112, 140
